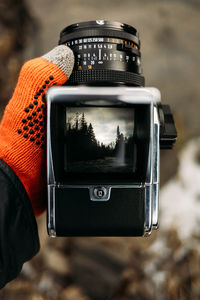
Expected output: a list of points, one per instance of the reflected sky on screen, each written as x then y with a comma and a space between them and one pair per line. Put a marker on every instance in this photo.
105, 121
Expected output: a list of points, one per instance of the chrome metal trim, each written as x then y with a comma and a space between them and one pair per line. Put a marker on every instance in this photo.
148, 210
156, 148
51, 224
92, 186
50, 169
124, 94
156, 168
149, 177
104, 198
148, 203
155, 205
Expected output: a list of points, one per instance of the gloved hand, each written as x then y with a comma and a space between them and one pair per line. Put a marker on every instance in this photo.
22, 129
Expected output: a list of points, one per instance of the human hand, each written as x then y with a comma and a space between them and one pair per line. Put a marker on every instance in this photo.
23, 127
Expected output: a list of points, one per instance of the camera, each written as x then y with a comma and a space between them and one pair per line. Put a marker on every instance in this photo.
104, 135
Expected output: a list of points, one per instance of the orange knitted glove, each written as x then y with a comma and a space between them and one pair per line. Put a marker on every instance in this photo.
22, 129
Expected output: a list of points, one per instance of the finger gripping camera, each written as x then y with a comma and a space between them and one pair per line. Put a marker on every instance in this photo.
104, 134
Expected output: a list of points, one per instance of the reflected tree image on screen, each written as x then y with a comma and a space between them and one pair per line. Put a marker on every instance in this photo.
100, 140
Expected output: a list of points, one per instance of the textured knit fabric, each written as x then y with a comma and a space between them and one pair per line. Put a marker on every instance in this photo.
22, 130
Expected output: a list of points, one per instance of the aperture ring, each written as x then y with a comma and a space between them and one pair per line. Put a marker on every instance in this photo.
111, 76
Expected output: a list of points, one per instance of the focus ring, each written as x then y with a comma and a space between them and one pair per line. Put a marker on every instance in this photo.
65, 37
112, 76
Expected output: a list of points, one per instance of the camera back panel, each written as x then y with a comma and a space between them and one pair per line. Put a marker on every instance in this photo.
103, 161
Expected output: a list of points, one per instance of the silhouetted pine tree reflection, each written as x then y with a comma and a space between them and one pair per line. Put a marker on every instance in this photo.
82, 144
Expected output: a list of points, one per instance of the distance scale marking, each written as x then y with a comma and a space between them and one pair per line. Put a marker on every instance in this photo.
101, 52
101, 40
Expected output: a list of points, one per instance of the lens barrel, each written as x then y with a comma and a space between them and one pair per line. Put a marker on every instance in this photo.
106, 53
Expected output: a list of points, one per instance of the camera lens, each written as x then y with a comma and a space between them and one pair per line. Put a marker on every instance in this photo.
106, 53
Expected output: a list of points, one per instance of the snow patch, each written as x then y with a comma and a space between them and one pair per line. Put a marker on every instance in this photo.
179, 198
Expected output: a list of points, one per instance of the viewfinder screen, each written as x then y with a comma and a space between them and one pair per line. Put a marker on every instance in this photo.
99, 140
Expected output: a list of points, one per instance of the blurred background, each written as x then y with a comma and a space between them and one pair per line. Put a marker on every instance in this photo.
165, 265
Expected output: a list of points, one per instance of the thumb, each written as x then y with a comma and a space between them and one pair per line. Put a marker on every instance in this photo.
53, 68
63, 57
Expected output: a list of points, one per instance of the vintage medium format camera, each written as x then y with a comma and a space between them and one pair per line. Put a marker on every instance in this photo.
104, 134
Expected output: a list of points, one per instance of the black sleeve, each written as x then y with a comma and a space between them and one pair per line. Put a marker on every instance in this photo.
19, 240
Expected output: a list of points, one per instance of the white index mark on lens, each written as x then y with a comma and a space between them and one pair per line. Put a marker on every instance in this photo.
100, 22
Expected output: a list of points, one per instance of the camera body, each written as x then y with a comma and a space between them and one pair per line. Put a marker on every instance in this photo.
104, 134
120, 197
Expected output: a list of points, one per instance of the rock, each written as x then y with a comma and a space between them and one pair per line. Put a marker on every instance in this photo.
21, 289
72, 293
56, 261
47, 286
